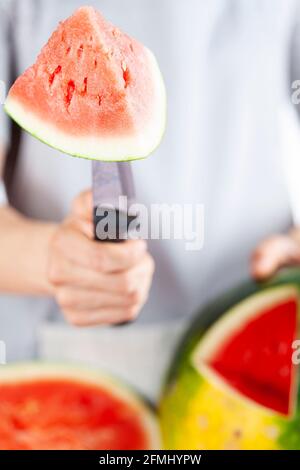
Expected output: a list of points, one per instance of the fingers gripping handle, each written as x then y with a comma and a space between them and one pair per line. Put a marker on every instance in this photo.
112, 225
112, 181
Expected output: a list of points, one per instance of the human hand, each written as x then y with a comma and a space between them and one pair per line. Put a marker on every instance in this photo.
96, 283
274, 253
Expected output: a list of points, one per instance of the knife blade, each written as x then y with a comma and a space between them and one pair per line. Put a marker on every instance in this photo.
113, 194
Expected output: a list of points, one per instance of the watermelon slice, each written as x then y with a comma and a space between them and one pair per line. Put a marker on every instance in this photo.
55, 407
250, 349
93, 92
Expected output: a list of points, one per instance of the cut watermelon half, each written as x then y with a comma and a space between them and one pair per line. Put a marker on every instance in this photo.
93, 92
56, 407
249, 350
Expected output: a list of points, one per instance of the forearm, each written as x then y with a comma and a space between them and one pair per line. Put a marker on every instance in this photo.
23, 254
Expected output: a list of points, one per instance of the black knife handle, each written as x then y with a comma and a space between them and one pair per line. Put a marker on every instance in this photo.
115, 231
117, 227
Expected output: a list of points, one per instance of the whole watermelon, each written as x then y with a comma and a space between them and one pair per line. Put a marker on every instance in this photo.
233, 383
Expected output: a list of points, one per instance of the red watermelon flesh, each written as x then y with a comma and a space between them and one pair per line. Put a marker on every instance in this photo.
63, 414
93, 92
257, 360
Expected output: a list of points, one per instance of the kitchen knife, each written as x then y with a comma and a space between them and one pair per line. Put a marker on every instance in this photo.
113, 194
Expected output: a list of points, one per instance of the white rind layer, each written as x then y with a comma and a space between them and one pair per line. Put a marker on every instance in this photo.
29, 372
119, 148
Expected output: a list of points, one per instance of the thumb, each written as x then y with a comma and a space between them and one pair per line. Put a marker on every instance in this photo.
82, 213
82, 206
274, 253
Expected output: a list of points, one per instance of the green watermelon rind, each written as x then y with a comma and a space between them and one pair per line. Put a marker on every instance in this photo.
190, 381
102, 159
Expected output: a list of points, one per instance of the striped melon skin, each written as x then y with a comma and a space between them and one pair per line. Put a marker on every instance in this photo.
197, 411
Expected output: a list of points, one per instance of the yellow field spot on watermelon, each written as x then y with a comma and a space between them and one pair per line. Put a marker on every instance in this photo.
230, 424
203, 422
272, 432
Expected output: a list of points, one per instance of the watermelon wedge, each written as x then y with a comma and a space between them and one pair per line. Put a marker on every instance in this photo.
233, 384
93, 92
60, 407
255, 345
